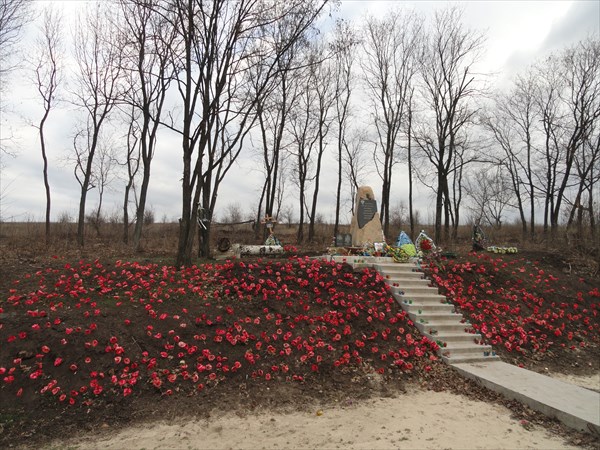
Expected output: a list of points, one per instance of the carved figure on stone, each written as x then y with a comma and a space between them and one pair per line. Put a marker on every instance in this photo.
367, 208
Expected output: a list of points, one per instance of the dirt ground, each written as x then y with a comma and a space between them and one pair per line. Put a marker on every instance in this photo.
84, 290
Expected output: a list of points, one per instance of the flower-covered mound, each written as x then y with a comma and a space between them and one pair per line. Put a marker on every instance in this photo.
532, 315
90, 336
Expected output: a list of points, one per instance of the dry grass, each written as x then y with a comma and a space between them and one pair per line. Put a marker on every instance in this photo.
27, 239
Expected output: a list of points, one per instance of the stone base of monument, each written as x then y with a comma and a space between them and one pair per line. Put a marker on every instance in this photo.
349, 251
357, 259
241, 249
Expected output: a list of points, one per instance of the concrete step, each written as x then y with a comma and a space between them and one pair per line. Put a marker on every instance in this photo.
429, 308
467, 349
575, 406
400, 270
443, 328
468, 359
420, 298
361, 266
437, 318
410, 291
408, 282
454, 338
397, 268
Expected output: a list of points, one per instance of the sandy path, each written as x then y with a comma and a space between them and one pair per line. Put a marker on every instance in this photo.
422, 419
587, 381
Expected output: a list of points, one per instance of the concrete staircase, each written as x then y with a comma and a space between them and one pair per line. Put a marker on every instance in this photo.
575, 406
431, 313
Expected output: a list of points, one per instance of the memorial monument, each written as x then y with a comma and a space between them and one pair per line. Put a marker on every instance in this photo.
366, 224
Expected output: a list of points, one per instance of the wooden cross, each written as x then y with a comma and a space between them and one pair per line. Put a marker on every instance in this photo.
269, 222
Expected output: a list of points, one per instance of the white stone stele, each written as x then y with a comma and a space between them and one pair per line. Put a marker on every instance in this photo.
372, 231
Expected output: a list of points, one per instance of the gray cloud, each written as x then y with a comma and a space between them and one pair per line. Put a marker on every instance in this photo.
581, 20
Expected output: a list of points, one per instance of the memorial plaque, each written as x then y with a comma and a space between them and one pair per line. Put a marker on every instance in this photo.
347, 240
343, 240
366, 211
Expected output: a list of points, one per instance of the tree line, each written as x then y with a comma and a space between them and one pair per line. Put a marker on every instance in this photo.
295, 88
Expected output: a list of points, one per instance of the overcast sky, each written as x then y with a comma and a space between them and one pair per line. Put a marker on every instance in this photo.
517, 33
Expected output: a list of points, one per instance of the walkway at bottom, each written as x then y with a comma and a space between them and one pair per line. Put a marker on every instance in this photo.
573, 405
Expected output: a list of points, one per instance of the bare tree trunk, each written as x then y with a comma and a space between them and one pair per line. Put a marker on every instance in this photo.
99, 60
141, 209
338, 190
125, 236
46, 182
259, 211
592, 212
313, 213
132, 165
439, 208
410, 171
47, 81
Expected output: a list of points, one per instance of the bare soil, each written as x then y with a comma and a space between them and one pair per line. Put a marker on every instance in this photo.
30, 418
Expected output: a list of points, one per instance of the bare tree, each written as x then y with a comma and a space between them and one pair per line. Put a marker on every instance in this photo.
97, 91
549, 105
233, 213
103, 174
399, 214
13, 15
568, 98
272, 109
148, 39
287, 212
309, 124
409, 159
587, 161
502, 129
303, 129
463, 152
283, 176
581, 96
344, 48
391, 47
47, 80
449, 89
355, 161
220, 41
132, 163
512, 125
490, 193
322, 79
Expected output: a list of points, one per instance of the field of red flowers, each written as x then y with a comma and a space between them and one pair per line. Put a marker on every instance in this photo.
92, 338
98, 343
528, 306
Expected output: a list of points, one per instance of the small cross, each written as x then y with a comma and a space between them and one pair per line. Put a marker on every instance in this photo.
269, 222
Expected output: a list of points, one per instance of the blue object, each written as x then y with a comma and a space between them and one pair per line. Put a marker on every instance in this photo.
403, 239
